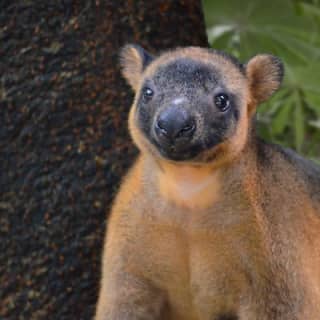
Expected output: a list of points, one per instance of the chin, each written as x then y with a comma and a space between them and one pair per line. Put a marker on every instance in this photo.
172, 154
176, 157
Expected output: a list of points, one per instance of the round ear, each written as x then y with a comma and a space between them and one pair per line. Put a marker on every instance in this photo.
133, 59
264, 73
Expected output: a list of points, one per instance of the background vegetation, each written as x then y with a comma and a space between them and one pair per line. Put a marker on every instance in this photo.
289, 29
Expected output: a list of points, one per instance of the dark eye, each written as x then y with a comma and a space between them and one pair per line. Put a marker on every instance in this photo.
222, 102
147, 93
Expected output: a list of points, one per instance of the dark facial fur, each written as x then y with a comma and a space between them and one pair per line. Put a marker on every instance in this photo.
192, 86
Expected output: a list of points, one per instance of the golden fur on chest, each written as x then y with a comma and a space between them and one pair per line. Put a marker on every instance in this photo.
197, 255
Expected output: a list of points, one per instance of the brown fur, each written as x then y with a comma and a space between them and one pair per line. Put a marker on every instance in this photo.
264, 76
233, 234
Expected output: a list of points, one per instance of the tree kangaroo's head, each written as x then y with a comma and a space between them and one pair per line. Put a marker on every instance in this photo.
195, 105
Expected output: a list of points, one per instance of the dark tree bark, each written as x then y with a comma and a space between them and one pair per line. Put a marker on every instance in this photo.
64, 142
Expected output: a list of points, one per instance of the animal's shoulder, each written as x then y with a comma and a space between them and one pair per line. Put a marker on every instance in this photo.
284, 161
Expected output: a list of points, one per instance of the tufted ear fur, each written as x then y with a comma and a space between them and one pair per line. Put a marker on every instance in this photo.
133, 59
264, 73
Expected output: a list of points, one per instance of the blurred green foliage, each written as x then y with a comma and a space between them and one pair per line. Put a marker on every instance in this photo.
289, 29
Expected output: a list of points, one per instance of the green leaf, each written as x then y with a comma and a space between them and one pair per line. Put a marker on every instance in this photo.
298, 123
313, 101
218, 31
309, 9
280, 121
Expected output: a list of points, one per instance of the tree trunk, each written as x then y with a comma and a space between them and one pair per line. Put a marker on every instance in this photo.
64, 142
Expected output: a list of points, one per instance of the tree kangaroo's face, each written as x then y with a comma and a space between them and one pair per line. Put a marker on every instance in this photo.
195, 105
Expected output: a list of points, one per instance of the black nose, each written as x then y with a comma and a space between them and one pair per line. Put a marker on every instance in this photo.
174, 123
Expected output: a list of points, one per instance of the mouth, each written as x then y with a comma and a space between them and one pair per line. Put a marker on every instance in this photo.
175, 153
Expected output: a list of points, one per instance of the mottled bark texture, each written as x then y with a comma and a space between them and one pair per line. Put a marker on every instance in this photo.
63, 140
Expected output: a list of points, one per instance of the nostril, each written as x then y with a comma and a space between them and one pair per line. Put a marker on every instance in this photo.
161, 126
187, 130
